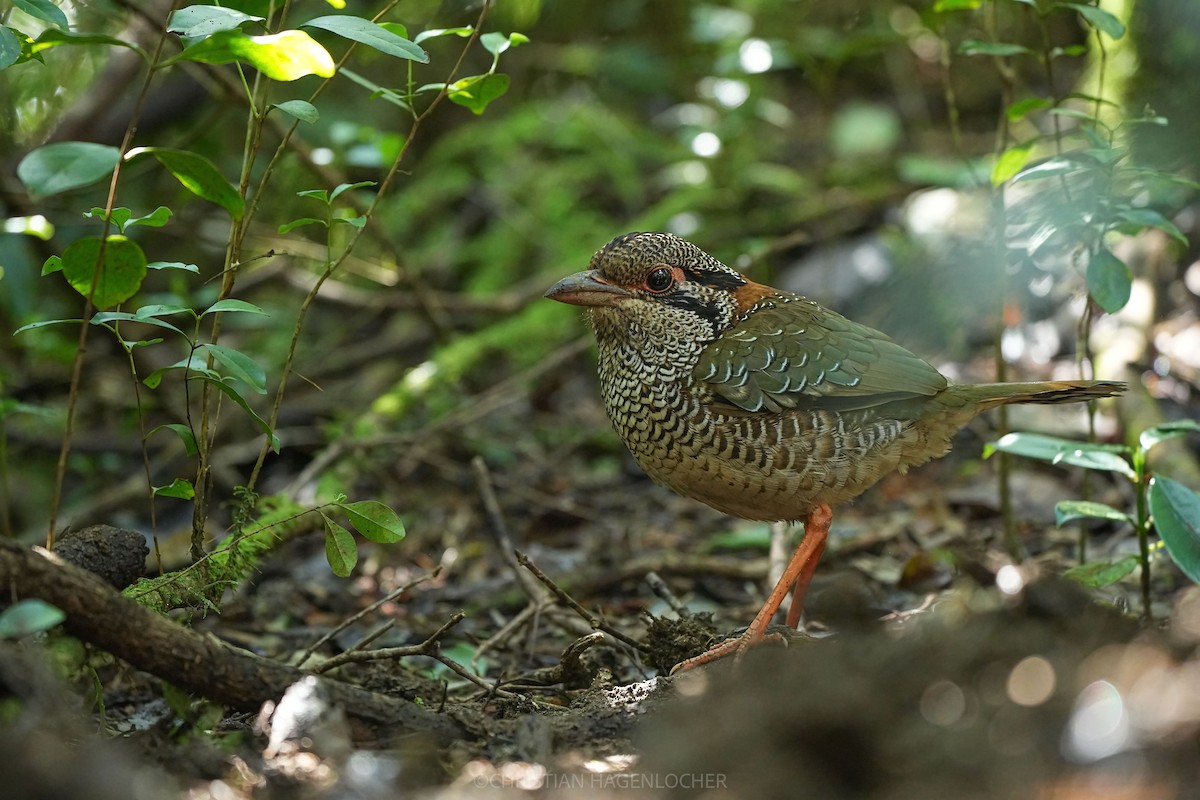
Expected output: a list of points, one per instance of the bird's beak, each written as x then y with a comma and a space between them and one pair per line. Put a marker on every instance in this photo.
587, 289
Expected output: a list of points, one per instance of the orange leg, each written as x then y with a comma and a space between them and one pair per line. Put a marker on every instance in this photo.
795, 579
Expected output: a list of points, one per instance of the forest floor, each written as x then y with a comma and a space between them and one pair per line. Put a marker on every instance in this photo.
917, 676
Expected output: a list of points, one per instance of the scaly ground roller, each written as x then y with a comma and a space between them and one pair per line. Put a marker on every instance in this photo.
761, 403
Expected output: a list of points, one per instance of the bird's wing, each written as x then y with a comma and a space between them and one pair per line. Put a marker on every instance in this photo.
796, 354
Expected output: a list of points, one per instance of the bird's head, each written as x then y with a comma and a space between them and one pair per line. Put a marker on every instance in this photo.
656, 289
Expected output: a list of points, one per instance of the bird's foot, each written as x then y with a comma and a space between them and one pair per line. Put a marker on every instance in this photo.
737, 647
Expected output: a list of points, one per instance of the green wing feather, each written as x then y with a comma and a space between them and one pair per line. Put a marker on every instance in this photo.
796, 354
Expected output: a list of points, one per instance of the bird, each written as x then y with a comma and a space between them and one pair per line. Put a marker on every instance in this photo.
761, 403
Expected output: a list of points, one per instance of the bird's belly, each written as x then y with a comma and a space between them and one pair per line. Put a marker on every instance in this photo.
769, 467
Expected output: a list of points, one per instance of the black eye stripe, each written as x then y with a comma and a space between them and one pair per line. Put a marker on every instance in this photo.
718, 280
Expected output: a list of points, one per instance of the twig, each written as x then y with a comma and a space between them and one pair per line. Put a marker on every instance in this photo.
531, 611
346, 623
596, 622
500, 531
429, 647
664, 593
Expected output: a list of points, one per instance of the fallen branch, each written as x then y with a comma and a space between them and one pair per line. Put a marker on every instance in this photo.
204, 665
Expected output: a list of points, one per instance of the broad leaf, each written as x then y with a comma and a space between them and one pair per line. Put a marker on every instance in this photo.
1068, 510
184, 433
1021, 108
105, 317
374, 521
1109, 280
1149, 218
195, 22
299, 109
1098, 574
62, 166
366, 32
497, 43
1168, 430
53, 37
1176, 510
28, 616
233, 305
239, 365
10, 47
179, 488
1066, 451
1100, 19
478, 91
1011, 162
340, 550
45, 11
117, 278
283, 56
233, 395
198, 176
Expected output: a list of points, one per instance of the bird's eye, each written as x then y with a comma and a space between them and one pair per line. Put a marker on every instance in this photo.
659, 280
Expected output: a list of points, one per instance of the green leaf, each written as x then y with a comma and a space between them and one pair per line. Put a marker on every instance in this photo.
374, 520
478, 91
233, 395
1176, 510
978, 47
1109, 280
234, 305
345, 187
117, 278
283, 56
155, 219
1168, 430
32, 225
1010, 162
434, 33
105, 317
62, 166
173, 265
366, 32
240, 366
28, 616
358, 222
185, 435
1098, 18
53, 264
1149, 218
162, 310
179, 487
193, 363
1020, 109
288, 227
1071, 51
497, 43
10, 47
198, 176
299, 109
1066, 451
53, 37
1068, 510
45, 11
1098, 574
1051, 167
195, 22
119, 217
44, 323
340, 550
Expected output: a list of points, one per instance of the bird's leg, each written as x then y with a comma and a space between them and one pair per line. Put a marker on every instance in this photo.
795, 579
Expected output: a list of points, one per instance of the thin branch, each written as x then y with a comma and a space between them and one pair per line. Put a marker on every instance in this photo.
596, 622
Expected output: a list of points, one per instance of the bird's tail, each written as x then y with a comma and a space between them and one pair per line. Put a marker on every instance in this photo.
991, 395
